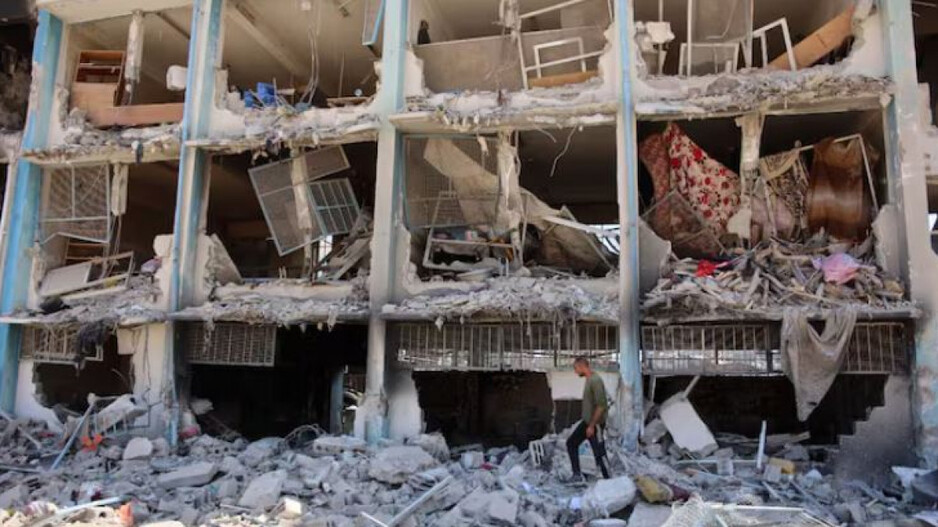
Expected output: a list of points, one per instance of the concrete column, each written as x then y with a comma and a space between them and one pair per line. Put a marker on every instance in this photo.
389, 100
630, 400
205, 46
336, 396
25, 200
908, 189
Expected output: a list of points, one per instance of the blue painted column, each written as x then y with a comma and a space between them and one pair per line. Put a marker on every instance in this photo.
24, 218
205, 47
630, 400
390, 166
908, 189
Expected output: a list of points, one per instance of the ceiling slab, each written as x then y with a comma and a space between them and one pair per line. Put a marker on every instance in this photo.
75, 11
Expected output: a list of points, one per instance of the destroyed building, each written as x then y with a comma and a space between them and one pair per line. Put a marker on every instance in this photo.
390, 217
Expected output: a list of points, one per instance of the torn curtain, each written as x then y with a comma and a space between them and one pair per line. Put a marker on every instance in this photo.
812, 361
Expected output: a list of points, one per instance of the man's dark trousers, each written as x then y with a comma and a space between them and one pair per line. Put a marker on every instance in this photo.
597, 444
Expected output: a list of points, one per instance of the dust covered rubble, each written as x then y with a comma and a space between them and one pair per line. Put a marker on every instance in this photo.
81, 139
284, 125
267, 304
338, 481
517, 298
137, 304
752, 90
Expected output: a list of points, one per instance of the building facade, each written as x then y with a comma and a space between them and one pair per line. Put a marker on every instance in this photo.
386, 216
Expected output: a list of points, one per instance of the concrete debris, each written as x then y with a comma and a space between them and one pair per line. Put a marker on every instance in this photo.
194, 475
264, 491
396, 464
772, 276
686, 427
518, 298
137, 304
342, 481
138, 448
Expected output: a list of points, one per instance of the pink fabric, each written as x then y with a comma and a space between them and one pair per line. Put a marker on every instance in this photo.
837, 268
710, 188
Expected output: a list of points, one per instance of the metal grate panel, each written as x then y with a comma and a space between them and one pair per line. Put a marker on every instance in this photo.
451, 182
231, 344
878, 347
324, 208
326, 161
495, 347
754, 349
335, 205
78, 203
54, 345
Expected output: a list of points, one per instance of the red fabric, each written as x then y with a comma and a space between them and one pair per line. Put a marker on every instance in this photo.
710, 188
705, 268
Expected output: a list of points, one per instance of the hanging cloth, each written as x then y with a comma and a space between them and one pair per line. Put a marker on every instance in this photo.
812, 361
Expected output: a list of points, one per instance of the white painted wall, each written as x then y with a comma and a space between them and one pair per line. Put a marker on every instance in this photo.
26, 404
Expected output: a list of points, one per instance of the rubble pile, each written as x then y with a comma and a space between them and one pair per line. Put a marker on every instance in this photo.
775, 275
342, 481
137, 303
82, 139
518, 298
753, 89
262, 305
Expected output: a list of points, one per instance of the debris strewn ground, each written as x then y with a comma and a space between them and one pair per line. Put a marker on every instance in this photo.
311, 479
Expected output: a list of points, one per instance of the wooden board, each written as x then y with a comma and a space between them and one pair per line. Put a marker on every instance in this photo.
91, 96
560, 80
826, 39
137, 115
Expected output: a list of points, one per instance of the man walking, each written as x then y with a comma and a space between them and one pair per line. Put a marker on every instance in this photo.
593, 420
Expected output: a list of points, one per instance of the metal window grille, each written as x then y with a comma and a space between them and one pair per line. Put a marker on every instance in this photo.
878, 347
753, 349
78, 203
451, 182
495, 347
335, 205
330, 206
231, 344
53, 345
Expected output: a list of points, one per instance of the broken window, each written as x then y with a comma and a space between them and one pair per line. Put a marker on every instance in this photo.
130, 71
98, 224
726, 36
514, 45
56, 345
482, 206
318, 201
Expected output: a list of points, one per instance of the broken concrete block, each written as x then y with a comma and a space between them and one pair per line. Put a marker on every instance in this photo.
160, 447
264, 491
260, 451
653, 432
434, 444
396, 464
189, 515
338, 444
609, 496
138, 448
531, 519
772, 474
226, 488
471, 460
786, 466
503, 507
290, 508
685, 426
194, 475
14, 496
231, 466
